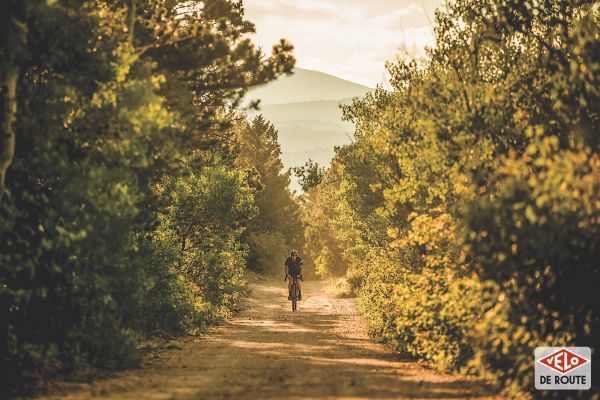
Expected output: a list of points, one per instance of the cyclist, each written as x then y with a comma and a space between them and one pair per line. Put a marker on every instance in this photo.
293, 267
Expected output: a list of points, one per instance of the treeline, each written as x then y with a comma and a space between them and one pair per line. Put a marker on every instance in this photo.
466, 214
278, 227
127, 182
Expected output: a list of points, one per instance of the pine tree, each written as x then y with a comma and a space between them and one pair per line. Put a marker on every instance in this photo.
279, 214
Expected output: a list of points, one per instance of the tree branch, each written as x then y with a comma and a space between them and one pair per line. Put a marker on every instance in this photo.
8, 130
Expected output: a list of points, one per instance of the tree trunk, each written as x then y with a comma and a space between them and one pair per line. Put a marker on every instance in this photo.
131, 19
9, 116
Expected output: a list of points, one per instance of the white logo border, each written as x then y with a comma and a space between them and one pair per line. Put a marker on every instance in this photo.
557, 351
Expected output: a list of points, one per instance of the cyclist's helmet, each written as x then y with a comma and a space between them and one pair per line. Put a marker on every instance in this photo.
294, 253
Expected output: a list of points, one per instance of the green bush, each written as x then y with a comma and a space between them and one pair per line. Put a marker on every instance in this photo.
278, 225
268, 252
535, 238
93, 257
468, 208
203, 214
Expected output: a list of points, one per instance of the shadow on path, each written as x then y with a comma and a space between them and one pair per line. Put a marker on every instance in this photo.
267, 352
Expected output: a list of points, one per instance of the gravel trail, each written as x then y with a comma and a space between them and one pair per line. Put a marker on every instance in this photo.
323, 351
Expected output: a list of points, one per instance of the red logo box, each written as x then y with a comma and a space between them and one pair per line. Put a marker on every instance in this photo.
563, 361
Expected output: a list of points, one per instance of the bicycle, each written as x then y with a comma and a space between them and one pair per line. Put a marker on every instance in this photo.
294, 291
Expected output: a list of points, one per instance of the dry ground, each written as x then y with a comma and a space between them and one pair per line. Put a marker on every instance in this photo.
267, 352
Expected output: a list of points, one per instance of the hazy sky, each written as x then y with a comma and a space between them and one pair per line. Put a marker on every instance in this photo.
347, 38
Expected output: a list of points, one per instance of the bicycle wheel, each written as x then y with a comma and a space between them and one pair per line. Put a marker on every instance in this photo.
294, 297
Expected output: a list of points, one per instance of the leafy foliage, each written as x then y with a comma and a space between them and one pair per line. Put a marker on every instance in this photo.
309, 175
278, 225
123, 210
466, 213
203, 212
268, 252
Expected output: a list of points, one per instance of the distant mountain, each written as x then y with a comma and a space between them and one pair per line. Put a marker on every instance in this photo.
305, 109
325, 111
307, 85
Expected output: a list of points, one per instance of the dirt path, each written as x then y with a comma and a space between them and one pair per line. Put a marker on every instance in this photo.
267, 352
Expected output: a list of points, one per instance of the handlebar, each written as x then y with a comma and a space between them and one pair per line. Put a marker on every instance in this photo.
298, 276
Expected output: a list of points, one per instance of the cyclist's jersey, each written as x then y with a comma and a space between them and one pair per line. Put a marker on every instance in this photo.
294, 265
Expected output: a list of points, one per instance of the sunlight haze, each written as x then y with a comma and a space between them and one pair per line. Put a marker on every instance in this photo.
350, 39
